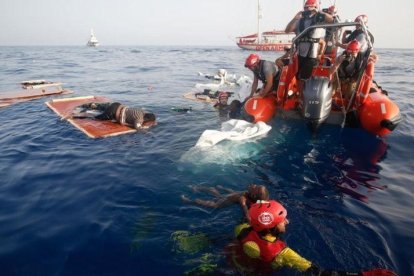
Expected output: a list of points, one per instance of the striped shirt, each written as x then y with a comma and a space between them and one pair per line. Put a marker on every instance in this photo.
133, 117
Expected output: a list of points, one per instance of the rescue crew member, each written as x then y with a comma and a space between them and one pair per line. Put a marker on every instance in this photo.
357, 34
133, 117
260, 239
348, 65
311, 46
261, 242
265, 71
331, 33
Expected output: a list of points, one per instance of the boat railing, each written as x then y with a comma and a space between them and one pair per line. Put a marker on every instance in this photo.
335, 26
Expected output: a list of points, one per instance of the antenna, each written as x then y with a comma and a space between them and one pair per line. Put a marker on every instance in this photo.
259, 16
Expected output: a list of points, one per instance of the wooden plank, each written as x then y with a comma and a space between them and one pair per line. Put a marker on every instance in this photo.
31, 93
92, 128
199, 98
12, 98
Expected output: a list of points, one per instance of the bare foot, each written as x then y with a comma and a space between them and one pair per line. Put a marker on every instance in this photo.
185, 199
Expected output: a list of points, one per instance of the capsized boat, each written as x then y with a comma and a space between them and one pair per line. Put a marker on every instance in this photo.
320, 102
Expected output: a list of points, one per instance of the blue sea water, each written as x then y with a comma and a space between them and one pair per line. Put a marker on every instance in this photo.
71, 205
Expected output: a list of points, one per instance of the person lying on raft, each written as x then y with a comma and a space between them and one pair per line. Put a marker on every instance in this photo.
244, 198
263, 249
133, 117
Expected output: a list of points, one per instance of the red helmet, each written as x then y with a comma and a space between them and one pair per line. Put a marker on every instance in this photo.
362, 18
353, 47
311, 3
252, 60
332, 10
266, 214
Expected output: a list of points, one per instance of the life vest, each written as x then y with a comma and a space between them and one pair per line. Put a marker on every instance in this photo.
350, 70
266, 250
304, 23
365, 84
261, 74
281, 89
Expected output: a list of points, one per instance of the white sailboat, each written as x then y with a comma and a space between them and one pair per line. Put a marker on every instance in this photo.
93, 41
266, 41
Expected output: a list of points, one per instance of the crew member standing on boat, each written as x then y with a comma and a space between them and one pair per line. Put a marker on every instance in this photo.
310, 46
331, 34
357, 34
266, 72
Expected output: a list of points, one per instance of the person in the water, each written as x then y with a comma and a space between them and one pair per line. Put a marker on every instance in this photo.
261, 243
244, 198
133, 117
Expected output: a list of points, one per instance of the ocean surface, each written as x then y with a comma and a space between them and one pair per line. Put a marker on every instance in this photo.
71, 205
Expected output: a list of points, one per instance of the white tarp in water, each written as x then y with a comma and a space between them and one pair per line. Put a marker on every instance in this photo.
236, 130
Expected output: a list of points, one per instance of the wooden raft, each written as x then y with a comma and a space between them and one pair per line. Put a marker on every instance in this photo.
9, 98
92, 128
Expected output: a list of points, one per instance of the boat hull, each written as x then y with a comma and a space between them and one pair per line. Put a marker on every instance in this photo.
264, 47
378, 115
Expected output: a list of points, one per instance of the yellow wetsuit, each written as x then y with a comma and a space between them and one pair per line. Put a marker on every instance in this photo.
285, 258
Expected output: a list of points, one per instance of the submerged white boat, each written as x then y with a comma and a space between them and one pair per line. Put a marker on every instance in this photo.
266, 41
93, 41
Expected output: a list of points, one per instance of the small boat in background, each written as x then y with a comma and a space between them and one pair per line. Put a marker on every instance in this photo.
93, 41
275, 40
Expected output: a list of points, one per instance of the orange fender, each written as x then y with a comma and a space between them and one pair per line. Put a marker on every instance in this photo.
365, 84
281, 89
379, 115
262, 109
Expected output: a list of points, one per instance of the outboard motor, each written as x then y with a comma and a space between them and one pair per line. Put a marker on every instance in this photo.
316, 101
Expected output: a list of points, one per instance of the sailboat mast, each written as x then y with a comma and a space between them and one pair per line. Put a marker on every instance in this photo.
259, 16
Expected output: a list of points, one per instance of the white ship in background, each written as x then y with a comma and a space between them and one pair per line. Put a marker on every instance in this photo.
93, 41
265, 41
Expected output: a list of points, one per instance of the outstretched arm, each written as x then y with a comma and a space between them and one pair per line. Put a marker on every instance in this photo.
291, 26
335, 67
243, 204
254, 86
289, 258
268, 87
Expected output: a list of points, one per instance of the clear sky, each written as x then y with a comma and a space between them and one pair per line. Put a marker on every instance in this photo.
182, 22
